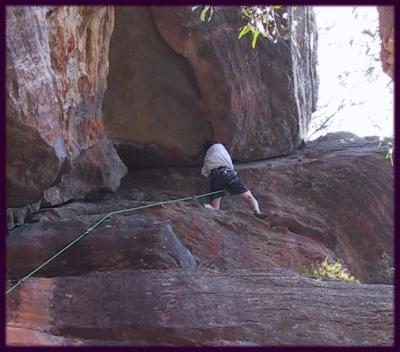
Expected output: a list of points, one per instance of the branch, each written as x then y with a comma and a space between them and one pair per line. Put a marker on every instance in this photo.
328, 119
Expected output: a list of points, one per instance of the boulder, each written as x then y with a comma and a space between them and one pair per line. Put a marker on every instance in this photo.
126, 242
181, 307
386, 31
182, 275
176, 83
337, 191
181, 235
151, 108
259, 102
333, 198
56, 68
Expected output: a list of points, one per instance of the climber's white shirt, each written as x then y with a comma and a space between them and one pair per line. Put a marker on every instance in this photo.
216, 156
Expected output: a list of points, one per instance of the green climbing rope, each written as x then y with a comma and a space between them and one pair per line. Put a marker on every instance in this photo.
91, 228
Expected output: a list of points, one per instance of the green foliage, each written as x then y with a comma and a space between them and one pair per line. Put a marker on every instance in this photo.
245, 13
204, 11
331, 272
255, 36
271, 22
389, 154
244, 31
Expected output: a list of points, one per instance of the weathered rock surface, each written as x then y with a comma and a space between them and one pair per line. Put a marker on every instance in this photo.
159, 239
256, 109
199, 308
176, 83
151, 108
336, 202
340, 192
386, 30
17, 216
17, 336
126, 242
337, 191
57, 64
181, 274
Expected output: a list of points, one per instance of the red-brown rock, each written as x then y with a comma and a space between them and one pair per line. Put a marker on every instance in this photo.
258, 101
151, 107
337, 191
202, 308
336, 202
124, 242
181, 274
176, 83
57, 64
386, 30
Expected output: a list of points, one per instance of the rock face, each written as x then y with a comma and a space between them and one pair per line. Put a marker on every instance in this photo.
181, 274
57, 64
333, 194
176, 83
122, 243
334, 203
201, 277
386, 30
206, 308
151, 108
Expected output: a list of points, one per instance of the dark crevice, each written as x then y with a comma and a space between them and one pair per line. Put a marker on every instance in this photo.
47, 206
49, 13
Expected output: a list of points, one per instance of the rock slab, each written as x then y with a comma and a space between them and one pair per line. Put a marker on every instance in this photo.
56, 68
176, 83
202, 308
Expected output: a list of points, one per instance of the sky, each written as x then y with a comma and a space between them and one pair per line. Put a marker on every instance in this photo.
344, 56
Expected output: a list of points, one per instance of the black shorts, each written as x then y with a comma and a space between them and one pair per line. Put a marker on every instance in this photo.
229, 180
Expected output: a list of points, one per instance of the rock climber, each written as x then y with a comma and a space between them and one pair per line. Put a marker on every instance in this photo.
218, 167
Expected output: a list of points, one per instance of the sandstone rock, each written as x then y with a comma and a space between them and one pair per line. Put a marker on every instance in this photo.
96, 169
159, 239
336, 202
17, 336
386, 30
176, 83
203, 308
17, 216
118, 243
151, 108
184, 275
57, 64
340, 194
337, 191
258, 101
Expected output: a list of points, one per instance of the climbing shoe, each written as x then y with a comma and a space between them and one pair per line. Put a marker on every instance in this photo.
259, 215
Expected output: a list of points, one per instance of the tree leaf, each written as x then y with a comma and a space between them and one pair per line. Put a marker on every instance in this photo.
255, 36
244, 31
203, 13
244, 12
